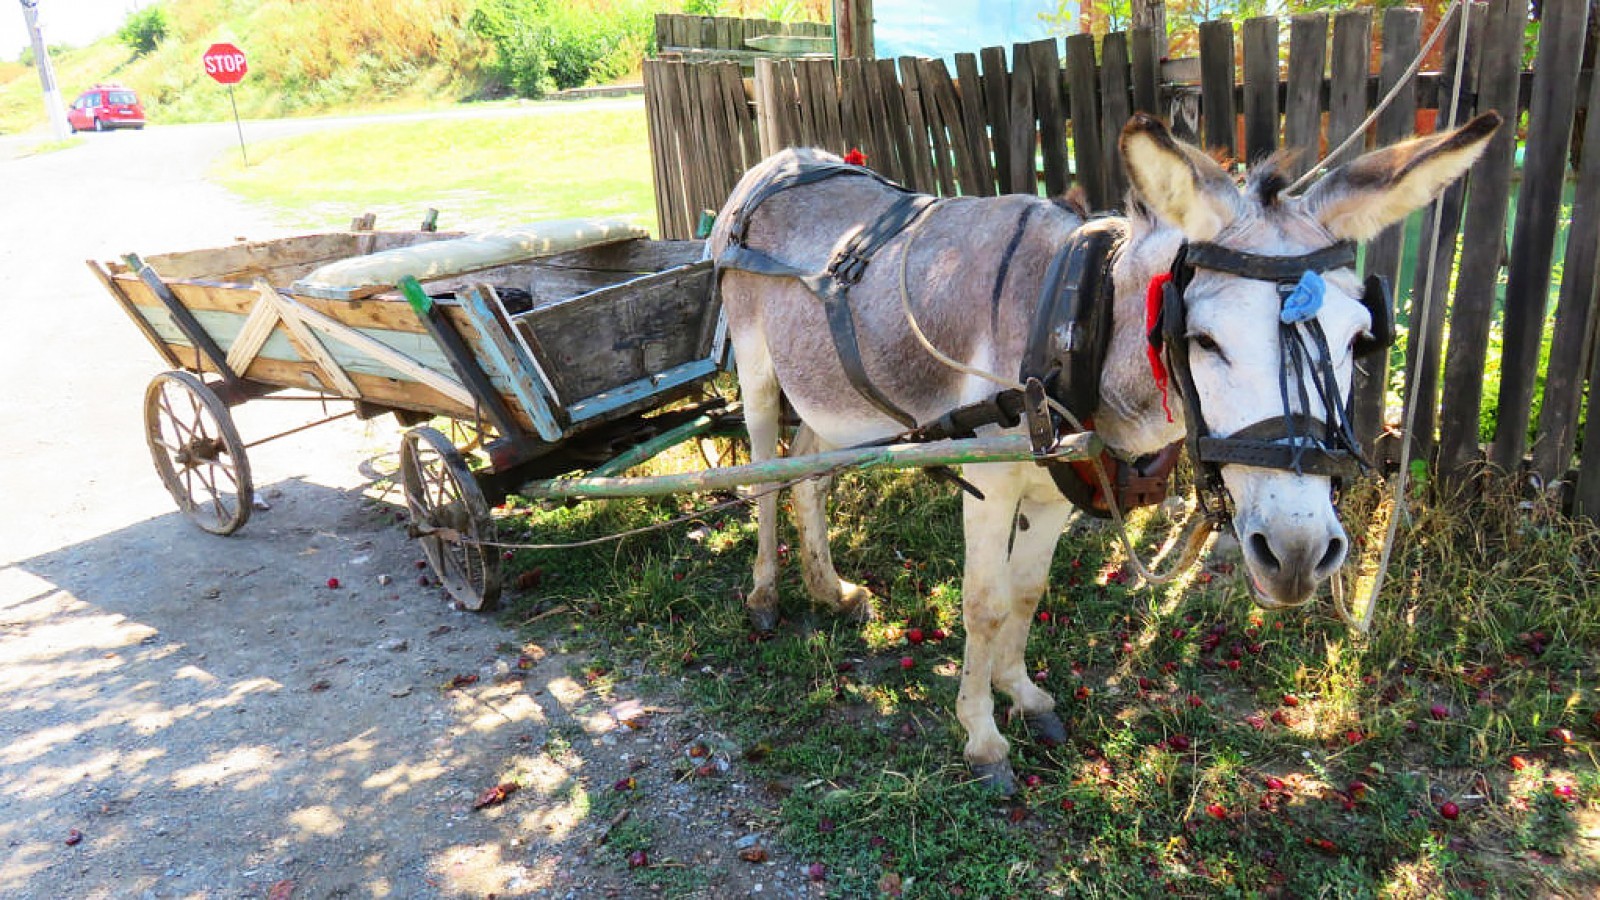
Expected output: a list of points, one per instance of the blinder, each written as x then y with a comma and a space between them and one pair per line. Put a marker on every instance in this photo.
1291, 441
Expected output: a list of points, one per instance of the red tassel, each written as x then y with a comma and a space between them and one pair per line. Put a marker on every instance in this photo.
855, 157
1153, 297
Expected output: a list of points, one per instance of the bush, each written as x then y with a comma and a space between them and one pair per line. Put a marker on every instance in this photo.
542, 45
144, 29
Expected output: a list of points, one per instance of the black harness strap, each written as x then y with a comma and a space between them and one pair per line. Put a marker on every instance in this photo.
844, 270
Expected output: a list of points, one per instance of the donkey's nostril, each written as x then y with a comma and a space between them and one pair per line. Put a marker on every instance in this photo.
1262, 548
1333, 556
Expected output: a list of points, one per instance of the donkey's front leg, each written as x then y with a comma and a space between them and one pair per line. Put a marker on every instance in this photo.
985, 609
1040, 517
816, 558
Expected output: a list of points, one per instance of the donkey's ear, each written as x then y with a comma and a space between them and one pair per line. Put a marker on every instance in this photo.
1181, 184
1363, 197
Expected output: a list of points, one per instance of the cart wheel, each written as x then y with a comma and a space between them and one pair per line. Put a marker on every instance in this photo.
450, 516
197, 451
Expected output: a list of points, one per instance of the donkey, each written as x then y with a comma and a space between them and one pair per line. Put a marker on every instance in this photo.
791, 249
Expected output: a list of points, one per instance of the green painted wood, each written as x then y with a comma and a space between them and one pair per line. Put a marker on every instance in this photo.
1005, 448
654, 447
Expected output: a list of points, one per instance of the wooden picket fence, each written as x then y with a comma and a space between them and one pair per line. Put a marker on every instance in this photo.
726, 36
1049, 122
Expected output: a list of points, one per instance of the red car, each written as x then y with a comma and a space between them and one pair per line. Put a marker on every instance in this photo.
106, 106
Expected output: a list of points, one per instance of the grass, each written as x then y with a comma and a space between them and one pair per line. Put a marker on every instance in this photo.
482, 172
1217, 750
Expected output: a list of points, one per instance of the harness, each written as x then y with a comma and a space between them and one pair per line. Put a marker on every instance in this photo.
849, 261
1289, 441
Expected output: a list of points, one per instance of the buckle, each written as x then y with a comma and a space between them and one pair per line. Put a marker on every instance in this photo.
847, 268
1041, 425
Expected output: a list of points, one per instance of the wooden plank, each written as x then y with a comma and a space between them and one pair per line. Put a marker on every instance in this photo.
950, 133
973, 124
1116, 108
696, 177
1472, 312
1347, 90
375, 349
997, 111
657, 125
1550, 114
1146, 64
115, 290
1308, 60
607, 339
308, 345
1427, 330
1216, 88
310, 249
714, 159
886, 148
852, 109
1048, 103
825, 91
744, 122
894, 112
257, 328
767, 131
791, 129
663, 31
922, 174
1402, 37
1260, 88
1024, 121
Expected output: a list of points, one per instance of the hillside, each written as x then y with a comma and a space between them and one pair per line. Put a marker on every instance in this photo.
312, 56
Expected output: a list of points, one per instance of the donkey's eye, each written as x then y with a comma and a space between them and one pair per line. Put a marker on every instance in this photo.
1205, 342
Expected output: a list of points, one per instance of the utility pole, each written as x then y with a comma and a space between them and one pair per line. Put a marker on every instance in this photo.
47, 76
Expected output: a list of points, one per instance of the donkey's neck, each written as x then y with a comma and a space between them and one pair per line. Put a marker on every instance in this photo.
1130, 418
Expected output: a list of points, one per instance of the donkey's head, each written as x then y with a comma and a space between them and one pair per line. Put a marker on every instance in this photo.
1265, 352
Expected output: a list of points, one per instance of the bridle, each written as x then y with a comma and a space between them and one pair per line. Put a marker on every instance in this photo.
1290, 441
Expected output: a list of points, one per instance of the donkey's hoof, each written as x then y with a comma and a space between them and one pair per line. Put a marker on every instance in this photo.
996, 776
855, 601
762, 608
1046, 727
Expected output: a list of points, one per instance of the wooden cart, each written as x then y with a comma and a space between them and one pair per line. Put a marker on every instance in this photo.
574, 346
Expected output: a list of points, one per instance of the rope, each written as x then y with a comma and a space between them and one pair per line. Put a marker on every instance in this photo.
1410, 73
1202, 530
1363, 624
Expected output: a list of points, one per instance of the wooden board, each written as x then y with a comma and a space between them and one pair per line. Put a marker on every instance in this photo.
1555, 90
1024, 137
1347, 87
610, 338
1045, 59
1427, 330
958, 173
974, 125
1115, 110
1308, 56
1260, 88
894, 108
997, 111
920, 172
1216, 88
1402, 38
1146, 66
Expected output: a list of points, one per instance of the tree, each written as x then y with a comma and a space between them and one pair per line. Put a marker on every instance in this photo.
144, 29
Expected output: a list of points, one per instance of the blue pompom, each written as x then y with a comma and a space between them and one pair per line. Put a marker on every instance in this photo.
1304, 301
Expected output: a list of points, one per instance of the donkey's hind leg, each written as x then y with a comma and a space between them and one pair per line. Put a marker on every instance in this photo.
816, 558
763, 408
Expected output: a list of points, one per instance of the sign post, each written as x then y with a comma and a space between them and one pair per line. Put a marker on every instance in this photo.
226, 65
47, 75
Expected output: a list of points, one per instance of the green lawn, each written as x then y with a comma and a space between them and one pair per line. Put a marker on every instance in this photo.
479, 173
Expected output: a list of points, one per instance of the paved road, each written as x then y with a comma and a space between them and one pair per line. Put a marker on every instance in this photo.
204, 711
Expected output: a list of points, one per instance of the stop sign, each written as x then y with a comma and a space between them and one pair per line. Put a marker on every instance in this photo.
225, 63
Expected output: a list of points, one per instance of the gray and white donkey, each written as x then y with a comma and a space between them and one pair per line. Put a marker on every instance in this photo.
975, 301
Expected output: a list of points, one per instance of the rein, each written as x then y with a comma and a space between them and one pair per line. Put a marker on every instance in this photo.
1291, 441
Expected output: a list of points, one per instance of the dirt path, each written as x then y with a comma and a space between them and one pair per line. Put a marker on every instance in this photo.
190, 716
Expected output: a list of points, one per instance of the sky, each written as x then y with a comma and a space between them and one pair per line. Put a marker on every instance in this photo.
75, 22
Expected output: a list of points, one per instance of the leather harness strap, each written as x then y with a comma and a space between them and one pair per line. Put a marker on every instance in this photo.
844, 270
